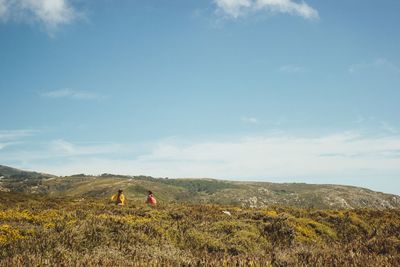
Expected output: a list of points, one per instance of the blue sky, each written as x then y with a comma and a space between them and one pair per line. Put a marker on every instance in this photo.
281, 90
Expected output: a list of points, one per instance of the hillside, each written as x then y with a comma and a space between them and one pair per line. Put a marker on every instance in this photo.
47, 220
211, 191
10, 172
44, 231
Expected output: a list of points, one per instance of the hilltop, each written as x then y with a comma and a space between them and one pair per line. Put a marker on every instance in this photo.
211, 191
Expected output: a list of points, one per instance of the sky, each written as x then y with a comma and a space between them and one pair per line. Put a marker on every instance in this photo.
266, 90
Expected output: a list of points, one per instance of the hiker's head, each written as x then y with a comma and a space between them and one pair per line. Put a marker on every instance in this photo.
120, 191
150, 193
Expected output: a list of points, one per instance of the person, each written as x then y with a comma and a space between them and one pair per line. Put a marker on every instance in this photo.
151, 200
119, 198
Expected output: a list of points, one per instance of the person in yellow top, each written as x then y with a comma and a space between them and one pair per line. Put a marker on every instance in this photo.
119, 199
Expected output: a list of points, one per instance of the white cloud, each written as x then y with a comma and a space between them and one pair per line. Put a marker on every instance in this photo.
389, 127
372, 124
379, 63
63, 151
63, 148
237, 8
8, 144
290, 68
251, 120
347, 157
12, 137
49, 13
234, 8
72, 94
276, 156
6, 135
3, 145
3, 8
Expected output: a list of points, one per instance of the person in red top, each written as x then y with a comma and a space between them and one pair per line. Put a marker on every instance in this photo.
151, 200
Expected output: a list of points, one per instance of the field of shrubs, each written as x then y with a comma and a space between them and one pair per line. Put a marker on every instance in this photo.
37, 231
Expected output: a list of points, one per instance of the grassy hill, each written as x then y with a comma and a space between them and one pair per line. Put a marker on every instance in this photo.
197, 191
47, 220
37, 230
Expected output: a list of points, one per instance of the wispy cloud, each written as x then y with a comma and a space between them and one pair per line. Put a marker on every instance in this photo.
49, 13
379, 63
277, 156
381, 127
250, 120
73, 94
349, 154
291, 68
6, 135
62, 148
12, 137
3, 8
237, 8
389, 127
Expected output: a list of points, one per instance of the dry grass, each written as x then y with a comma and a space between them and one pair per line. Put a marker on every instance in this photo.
39, 231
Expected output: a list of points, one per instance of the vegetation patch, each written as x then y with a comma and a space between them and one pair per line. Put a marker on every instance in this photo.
63, 231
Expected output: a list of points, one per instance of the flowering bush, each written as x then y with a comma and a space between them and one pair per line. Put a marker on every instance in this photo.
57, 231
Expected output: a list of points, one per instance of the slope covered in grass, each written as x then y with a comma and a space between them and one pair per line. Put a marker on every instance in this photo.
206, 191
39, 230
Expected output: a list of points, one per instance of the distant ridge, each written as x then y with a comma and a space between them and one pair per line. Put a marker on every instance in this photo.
6, 171
212, 191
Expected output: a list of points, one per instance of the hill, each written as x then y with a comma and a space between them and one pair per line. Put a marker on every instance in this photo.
16, 180
47, 220
10, 172
206, 191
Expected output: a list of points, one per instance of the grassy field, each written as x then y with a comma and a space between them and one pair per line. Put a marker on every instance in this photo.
37, 231
198, 191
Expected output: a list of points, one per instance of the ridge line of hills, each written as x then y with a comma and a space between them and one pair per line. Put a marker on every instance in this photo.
197, 191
